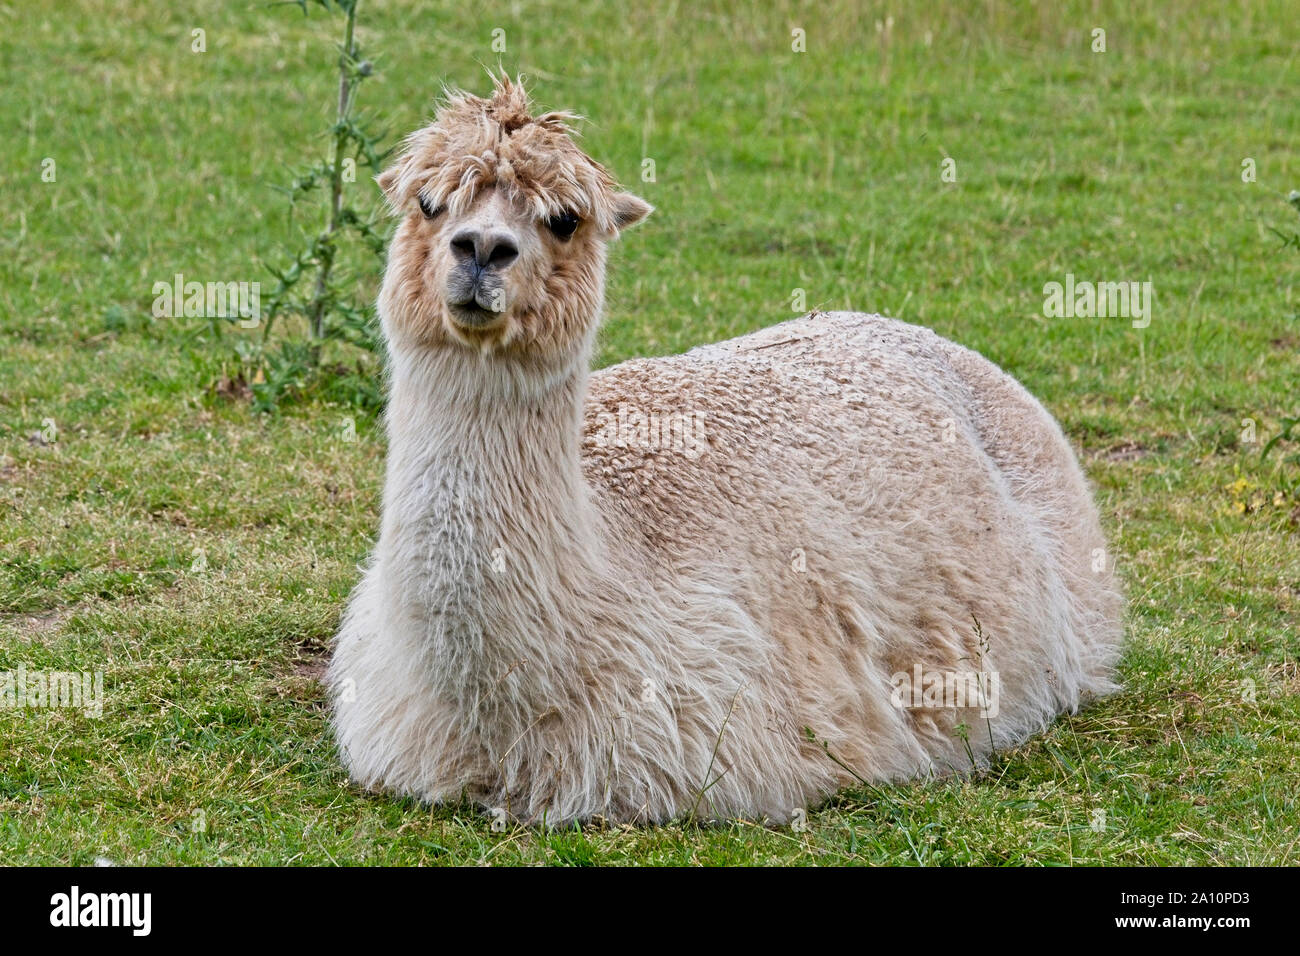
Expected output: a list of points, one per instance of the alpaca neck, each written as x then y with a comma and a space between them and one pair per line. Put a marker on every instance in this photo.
487, 514
508, 445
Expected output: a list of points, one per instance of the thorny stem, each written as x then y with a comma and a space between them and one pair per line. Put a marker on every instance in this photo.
325, 245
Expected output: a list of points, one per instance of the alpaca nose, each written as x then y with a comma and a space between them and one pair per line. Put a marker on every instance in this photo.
486, 247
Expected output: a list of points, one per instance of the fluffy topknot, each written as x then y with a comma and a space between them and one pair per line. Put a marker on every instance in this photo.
474, 143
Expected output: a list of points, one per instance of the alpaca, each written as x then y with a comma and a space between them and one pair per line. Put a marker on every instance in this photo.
707, 585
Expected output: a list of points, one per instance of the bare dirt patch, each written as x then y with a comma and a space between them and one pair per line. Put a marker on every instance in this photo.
1125, 451
39, 628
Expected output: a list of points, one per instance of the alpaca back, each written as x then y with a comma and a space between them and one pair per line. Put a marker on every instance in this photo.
881, 499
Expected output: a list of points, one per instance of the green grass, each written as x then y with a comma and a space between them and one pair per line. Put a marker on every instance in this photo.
775, 171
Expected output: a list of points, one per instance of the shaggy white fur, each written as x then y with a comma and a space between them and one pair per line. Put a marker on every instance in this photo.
688, 585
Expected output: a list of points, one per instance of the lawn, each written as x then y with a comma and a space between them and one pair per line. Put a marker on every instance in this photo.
157, 528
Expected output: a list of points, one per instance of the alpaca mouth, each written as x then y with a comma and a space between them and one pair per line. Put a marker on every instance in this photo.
472, 315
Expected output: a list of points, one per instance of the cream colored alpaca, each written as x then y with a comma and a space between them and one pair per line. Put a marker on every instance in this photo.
680, 585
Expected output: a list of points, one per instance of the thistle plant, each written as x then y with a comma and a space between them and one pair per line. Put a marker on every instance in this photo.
1290, 238
314, 285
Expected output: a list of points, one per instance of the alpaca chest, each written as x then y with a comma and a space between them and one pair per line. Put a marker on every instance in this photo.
484, 576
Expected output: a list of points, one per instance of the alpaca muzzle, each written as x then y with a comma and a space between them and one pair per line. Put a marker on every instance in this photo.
475, 297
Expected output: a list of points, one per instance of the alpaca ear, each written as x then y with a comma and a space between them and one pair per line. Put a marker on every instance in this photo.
629, 210
391, 181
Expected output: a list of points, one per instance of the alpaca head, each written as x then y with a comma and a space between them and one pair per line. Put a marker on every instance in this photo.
505, 221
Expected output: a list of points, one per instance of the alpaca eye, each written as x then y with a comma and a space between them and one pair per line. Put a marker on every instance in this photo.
428, 209
563, 225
